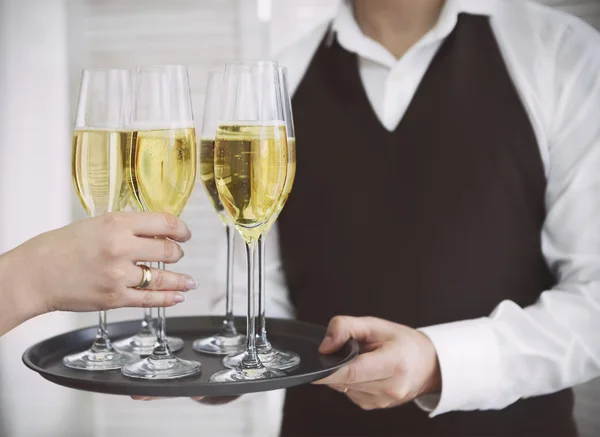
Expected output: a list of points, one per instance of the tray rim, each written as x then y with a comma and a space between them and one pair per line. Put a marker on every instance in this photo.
257, 386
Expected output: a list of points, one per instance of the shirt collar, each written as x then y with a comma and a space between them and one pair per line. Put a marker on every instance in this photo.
351, 38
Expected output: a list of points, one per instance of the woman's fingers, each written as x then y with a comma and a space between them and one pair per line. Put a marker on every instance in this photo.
155, 250
150, 299
161, 280
148, 224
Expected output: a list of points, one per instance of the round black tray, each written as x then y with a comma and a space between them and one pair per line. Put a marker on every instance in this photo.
302, 338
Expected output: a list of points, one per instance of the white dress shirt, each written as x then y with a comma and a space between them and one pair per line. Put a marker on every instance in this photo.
554, 60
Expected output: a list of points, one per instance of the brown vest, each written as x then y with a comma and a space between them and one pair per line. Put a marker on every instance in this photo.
436, 222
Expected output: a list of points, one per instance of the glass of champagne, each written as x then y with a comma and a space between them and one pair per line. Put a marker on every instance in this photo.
250, 172
100, 142
163, 172
271, 357
228, 340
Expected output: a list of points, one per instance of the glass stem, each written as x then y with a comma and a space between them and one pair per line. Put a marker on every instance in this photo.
228, 329
148, 328
251, 360
102, 342
161, 350
262, 343
147, 323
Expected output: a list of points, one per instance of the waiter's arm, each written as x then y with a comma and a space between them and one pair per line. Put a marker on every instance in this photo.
555, 343
515, 352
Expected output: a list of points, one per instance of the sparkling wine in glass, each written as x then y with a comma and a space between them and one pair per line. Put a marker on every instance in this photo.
163, 171
100, 146
228, 340
250, 171
270, 356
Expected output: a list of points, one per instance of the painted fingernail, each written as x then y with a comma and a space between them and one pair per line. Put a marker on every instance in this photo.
191, 283
179, 298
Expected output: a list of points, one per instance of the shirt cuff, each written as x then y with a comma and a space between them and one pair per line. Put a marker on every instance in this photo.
469, 358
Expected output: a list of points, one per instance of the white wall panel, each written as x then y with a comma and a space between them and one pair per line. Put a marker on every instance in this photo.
34, 197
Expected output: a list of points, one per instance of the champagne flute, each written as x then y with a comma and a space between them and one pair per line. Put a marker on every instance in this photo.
100, 142
228, 340
250, 171
163, 172
271, 357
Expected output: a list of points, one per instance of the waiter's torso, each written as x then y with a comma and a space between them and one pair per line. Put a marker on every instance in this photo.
437, 221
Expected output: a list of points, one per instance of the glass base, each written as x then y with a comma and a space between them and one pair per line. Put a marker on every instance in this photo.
235, 375
144, 344
271, 358
220, 344
169, 367
109, 359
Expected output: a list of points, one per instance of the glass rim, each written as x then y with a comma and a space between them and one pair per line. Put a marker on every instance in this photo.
157, 66
99, 70
251, 64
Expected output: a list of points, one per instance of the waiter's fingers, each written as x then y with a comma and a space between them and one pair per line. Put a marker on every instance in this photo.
367, 401
363, 329
160, 280
390, 388
151, 398
157, 398
371, 366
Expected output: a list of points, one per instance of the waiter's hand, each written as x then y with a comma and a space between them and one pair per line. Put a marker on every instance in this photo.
212, 400
397, 364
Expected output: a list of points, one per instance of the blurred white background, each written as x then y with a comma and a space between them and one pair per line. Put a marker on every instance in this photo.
44, 44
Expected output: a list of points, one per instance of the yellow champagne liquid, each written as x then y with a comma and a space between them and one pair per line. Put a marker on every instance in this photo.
250, 170
207, 174
289, 182
99, 167
163, 169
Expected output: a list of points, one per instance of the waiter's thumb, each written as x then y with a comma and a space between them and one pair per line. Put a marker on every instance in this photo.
343, 328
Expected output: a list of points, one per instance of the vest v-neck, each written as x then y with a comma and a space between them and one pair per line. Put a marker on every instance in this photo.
363, 96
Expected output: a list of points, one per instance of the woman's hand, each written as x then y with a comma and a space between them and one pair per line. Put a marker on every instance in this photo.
91, 265
397, 363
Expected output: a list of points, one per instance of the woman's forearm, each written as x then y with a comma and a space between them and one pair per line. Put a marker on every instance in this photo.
17, 298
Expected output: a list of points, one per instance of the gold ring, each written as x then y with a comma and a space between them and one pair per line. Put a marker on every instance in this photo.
146, 278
